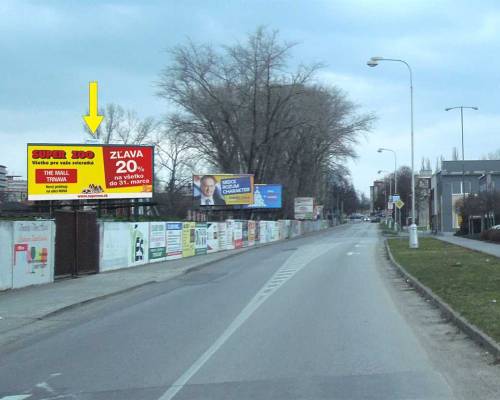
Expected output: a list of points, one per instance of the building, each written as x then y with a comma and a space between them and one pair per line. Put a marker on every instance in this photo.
3, 177
17, 189
447, 189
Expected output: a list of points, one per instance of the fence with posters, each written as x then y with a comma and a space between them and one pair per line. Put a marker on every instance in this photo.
27, 247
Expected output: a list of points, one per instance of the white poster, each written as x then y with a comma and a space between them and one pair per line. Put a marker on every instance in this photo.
229, 234
33, 253
157, 241
139, 243
174, 240
212, 237
263, 231
115, 244
222, 228
276, 231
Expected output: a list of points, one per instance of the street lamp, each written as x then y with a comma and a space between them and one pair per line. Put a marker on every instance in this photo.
373, 62
463, 153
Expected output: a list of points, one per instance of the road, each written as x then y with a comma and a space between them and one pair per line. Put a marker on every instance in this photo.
312, 318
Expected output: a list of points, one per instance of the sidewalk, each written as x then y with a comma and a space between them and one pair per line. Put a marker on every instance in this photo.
19, 307
485, 247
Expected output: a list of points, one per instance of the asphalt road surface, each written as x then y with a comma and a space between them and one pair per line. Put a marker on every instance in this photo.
312, 318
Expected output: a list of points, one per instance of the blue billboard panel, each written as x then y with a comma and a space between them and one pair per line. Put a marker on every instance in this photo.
266, 196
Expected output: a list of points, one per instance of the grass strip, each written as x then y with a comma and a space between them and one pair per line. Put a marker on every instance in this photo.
468, 280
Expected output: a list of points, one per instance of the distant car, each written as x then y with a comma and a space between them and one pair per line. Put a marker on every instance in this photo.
366, 219
375, 219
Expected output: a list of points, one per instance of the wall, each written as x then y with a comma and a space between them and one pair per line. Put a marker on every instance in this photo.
27, 249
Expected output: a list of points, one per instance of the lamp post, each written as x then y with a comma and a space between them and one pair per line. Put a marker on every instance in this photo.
373, 62
380, 150
463, 153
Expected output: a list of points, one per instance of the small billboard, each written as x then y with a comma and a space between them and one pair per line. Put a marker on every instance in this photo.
266, 196
304, 207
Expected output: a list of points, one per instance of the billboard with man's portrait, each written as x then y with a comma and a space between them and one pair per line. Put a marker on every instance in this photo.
223, 189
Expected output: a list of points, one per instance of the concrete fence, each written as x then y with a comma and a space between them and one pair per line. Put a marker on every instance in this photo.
26, 253
27, 247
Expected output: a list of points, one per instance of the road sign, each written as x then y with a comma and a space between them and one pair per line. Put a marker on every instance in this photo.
399, 204
390, 206
395, 197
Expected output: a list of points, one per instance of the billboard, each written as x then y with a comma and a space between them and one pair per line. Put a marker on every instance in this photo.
266, 196
304, 207
85, 171
223, 190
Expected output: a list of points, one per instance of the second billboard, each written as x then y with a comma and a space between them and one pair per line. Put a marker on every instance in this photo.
223, 189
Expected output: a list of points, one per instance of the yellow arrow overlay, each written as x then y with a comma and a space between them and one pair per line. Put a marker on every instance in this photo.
93, 120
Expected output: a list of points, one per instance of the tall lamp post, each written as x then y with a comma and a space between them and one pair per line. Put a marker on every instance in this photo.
373, 62
380, 150
463, 153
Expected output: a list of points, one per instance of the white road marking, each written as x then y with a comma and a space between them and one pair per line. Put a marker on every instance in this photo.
352, 253
297, 260
16, 397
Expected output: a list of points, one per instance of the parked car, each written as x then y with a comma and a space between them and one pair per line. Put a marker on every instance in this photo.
375, 219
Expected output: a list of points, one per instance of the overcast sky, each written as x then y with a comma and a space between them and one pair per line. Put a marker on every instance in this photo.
50, 50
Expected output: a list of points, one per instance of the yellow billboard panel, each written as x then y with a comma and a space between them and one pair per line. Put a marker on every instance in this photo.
83, 171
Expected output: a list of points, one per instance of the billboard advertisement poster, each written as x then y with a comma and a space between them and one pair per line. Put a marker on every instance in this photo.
251, 233
223, 190
174, 240
223, 239
79, 171
229, 234
114, 245
263, 231
32, 253
245, 233
238, 234
304, 207
266, 196
276, 231
188, 239
212, 237
157, 240
139, 234
200, 238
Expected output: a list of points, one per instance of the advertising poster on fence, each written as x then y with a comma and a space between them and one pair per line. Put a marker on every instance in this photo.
78, 171
114, 245
201, 238
223, 239
139, 239
188, 239
304, 207
174, 240
276, 231
238, 234
245, 233
157, 241
251, 233
229, 234
212, 237
266, 196
223, 190
263, 232
33, 261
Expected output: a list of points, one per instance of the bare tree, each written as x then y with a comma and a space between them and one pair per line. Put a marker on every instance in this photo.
245, 113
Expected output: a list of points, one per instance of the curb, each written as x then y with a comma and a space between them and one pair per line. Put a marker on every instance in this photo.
181, 273
466, 327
